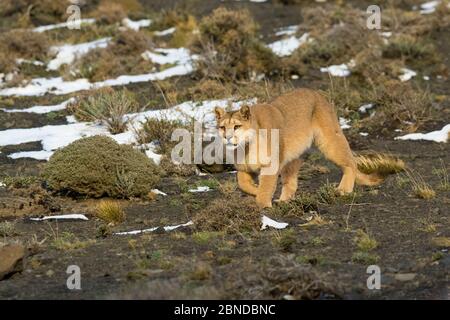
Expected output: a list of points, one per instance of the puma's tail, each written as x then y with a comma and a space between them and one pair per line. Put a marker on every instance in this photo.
373, 168
372, 179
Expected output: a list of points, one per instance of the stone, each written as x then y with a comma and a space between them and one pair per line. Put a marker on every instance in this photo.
11, 259
405, 276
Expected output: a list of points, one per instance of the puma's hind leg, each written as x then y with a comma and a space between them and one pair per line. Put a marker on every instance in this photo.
289, 180
333, 144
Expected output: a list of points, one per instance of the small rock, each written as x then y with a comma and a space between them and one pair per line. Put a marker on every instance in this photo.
11, 258
405, 276
50, 273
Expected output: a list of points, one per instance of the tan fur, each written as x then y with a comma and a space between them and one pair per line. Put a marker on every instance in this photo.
302, 116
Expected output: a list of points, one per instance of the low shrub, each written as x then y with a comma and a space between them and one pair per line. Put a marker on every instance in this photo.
98, 166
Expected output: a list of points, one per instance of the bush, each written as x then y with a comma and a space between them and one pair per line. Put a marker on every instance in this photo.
22, 44
230, 214
108, 106
230, 46
98, 166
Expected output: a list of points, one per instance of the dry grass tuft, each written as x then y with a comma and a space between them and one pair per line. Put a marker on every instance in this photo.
110, 211
108, 106
315, 220
420, 188
379, 163
364, 241
159, 131
230, 214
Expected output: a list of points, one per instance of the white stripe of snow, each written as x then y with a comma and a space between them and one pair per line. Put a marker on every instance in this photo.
42, 109
437, 136
167, 228
164, 32
62, 217
67, 53
286, 31
200, 189
136, 25
63, 25
164, 56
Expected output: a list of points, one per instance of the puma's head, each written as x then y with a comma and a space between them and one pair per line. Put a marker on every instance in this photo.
235, 126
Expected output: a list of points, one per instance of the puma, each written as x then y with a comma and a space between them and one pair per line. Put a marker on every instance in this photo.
302, 117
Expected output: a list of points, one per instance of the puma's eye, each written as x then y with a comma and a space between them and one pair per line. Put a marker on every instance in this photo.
222, 128
237, 127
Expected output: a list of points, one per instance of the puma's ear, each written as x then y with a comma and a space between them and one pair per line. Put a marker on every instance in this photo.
219, 112
245, 112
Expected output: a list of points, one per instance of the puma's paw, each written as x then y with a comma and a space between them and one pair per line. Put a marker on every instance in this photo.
261, 203
342, 191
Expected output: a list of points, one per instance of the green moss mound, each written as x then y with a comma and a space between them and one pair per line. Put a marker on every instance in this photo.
98, 166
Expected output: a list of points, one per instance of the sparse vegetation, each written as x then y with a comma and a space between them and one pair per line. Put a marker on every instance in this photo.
109, 106
230, 47
7, 229
97, 166
110, 211
67, 241
232, 214
420, 187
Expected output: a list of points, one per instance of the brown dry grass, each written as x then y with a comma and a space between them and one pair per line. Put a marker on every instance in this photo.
230, 214
230, 47
23, 44
122, 56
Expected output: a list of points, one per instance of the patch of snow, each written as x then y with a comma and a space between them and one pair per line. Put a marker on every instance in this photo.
429, 7
437, 136
426, 78
167, 228
136, 25
200, 189
285, 47
407, 74
42, 109
341, 70
364, 134
34, 62
67, 53
157, 191
366, 107
2, 184
386, 34
38, 155
62, 25
344, 123
287, 31
62, 217
165, 56
164, 32
267, 222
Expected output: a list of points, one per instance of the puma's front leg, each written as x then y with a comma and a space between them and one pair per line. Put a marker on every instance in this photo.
266, 189
246, 183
